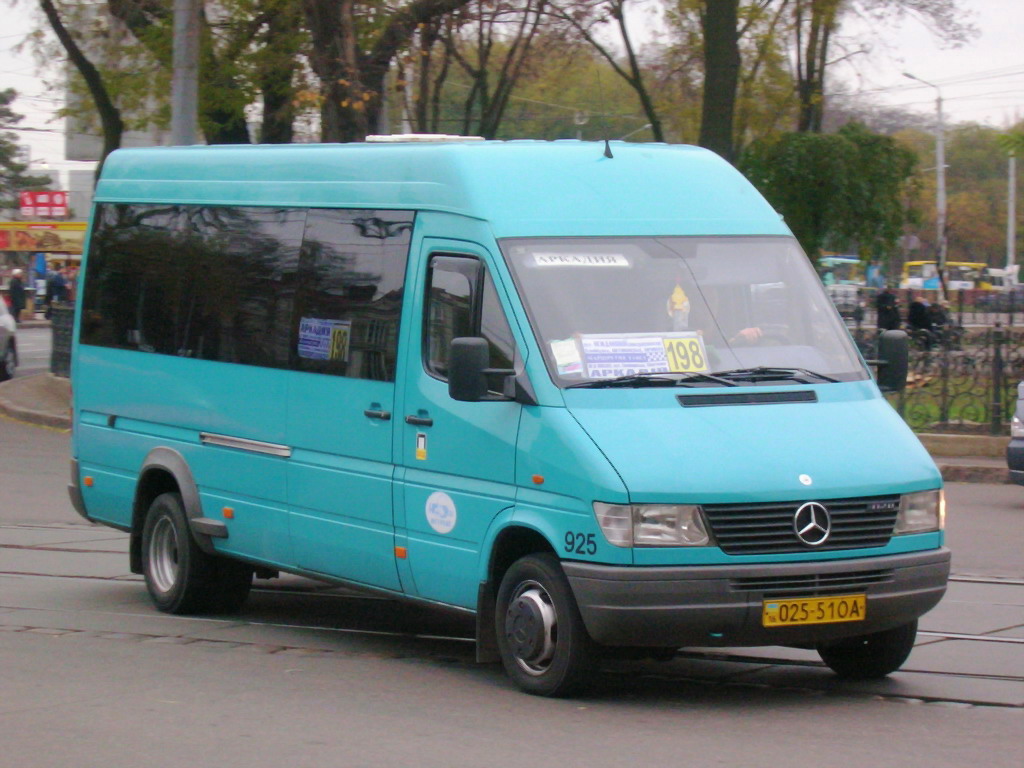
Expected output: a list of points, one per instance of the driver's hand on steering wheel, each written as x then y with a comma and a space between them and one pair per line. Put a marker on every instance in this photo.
748, 335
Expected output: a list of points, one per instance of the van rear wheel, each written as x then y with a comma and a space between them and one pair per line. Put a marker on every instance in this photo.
543, 643
868, 657
180, 577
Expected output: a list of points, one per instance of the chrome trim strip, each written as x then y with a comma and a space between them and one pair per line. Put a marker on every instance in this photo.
243, 444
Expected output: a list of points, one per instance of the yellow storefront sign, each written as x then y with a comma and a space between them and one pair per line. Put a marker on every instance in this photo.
48, 236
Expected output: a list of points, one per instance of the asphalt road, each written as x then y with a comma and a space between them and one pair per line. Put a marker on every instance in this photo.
33, 351
308, 675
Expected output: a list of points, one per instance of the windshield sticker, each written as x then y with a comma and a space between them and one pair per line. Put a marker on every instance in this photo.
606, 356
580, 260
567, 356
324, 339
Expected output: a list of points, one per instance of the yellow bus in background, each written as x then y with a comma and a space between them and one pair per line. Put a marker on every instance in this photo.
960, 276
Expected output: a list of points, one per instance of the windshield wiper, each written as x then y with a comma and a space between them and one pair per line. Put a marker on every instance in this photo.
659, 379
765, 373
630, 380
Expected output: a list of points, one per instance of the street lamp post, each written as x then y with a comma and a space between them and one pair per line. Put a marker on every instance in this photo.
940, 183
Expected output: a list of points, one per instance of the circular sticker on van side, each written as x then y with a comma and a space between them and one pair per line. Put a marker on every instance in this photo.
441, 513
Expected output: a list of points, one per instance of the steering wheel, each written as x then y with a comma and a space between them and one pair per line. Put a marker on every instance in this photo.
774, 334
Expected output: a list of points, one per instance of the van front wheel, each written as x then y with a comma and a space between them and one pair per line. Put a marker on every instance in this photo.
543, 643
868, 657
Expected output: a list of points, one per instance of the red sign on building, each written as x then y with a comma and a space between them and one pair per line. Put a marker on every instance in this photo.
44, 203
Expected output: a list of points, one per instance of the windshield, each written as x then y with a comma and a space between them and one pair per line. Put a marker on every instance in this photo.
671, 310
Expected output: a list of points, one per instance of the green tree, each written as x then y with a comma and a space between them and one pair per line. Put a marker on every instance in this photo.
840, 191
13, 178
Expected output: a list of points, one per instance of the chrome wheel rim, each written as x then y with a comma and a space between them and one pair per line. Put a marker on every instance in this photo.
9, 362
531, 628
163, 555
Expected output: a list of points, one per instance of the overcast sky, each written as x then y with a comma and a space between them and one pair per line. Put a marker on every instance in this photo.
982, 81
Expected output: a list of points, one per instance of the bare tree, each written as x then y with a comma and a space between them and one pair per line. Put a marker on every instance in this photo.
352, 67
586, 18
109, 114
505, 31
815, 26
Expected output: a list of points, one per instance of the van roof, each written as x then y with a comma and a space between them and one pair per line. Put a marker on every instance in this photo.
522, 188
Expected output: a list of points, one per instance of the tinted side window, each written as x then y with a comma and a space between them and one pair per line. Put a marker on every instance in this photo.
349, 300
449, 308
210, 282
462, 301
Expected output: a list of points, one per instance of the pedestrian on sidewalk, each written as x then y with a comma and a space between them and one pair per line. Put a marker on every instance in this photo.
16, 290
888, 310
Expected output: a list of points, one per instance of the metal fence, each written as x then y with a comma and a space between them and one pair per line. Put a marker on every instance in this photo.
962, 379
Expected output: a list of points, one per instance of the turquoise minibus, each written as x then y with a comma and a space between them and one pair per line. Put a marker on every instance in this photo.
591, 393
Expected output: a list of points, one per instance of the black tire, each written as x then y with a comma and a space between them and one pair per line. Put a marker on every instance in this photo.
8, 362
869, 657
232, 582
543, 643
180, 577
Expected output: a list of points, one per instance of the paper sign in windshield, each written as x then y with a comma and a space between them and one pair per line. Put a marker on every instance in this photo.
606, 356
580, 260
567, 356
324, 339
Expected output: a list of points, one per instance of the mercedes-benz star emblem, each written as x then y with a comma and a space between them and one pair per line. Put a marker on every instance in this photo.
812, 524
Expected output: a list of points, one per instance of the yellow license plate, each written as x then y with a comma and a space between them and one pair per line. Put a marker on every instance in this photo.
813, 610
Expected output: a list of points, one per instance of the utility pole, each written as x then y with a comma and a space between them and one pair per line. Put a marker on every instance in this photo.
940, 185
1011, 213
185, 78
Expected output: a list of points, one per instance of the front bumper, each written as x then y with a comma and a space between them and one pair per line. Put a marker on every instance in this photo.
1015, 460
668, 607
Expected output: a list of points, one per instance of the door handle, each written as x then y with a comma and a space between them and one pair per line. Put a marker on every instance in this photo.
382, 415
420, 421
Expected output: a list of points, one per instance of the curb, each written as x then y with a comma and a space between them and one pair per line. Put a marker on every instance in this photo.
32, 415
966, 473
41, 418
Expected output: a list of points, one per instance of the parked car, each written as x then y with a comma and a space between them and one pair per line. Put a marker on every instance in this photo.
8, 343
1015, 450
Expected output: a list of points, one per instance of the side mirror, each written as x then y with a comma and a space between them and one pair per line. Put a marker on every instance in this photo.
467, 364
893, 361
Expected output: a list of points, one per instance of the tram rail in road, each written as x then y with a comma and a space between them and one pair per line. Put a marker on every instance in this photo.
298, 616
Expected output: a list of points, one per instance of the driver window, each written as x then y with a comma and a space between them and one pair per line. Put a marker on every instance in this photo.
462, 301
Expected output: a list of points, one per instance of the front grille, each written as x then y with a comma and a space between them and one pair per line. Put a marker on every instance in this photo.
764, 529
811, 585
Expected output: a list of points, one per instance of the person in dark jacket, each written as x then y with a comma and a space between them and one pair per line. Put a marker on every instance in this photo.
56, 291
888, 311
16, 290
919, 316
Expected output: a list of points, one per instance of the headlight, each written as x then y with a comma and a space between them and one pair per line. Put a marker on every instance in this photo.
652, 525
921, 512
1016, 427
